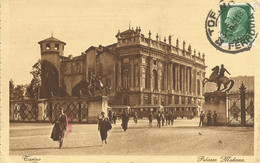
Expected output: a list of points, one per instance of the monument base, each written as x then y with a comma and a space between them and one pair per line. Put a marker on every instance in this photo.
216, 101
95, 106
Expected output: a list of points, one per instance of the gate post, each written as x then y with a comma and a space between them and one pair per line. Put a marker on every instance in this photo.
243, 107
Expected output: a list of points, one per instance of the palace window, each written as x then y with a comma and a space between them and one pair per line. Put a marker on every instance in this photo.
56, 46
126, 60
126, 79
182, 100
136, 75
176, 99
155, 79
48, 46
146, 78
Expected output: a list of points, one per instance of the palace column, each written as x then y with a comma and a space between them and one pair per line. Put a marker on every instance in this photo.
188, 79
176, 77
179, 78
170, 76
159, 78
119, 74
184, 79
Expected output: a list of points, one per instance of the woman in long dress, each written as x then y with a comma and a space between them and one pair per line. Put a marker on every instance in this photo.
59, 128
125, 120
104, 126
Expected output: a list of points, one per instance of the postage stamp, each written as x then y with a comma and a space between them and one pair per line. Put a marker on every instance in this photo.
232, 29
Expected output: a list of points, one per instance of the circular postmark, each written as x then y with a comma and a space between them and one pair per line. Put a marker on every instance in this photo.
232, 28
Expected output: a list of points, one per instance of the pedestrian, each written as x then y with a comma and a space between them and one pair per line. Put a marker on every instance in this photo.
135, 116
170, 118
166, 117
215, 118
150, 117
103, 127
59, 128
202, 115
209, 118
162, 118
125, 120
158, 119
114, 117
110, 116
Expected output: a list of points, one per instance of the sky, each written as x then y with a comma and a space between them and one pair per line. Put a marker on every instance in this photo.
82, 24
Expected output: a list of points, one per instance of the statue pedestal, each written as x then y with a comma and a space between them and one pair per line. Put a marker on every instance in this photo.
216, 101
95, 106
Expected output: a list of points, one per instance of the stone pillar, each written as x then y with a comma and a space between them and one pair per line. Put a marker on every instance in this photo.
184, 80
95, 106
216, 101
176, 78
41, 108
170, 76
181, 78
242, 102
11, 111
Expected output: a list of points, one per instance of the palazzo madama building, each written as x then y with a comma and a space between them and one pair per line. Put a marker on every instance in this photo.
136, 70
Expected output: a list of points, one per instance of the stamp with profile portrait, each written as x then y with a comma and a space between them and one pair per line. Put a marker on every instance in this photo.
232, 28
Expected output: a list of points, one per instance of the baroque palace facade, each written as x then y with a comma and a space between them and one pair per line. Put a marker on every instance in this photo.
137, 69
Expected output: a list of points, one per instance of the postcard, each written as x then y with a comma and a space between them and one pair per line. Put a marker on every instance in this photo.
130, 81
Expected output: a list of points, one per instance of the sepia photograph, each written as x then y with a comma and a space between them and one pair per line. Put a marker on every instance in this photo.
129, 81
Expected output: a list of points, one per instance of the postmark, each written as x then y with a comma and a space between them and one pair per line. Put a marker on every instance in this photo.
232, 28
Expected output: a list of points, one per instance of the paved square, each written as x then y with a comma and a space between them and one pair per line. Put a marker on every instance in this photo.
183, 138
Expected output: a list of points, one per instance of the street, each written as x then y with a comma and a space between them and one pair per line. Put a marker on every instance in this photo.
183, 138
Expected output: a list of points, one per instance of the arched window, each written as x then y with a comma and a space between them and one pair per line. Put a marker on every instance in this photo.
155, 79
126, 79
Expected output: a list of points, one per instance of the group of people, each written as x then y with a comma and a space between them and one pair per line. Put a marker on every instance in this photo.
162, 118
104, 122
209, 118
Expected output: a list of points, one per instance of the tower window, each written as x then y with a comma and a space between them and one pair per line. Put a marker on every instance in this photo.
56, 46
48, 46
154, 62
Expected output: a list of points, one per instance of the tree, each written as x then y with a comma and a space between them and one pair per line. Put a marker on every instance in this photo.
33, 90
16, 93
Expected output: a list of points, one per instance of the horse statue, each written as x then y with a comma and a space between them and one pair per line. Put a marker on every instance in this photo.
95, 84
214, 77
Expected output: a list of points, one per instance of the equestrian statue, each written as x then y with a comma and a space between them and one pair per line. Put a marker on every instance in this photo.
218, 77
95, 84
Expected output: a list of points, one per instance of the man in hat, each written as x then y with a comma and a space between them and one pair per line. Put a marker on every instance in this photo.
202, 115
209, 118
215, 118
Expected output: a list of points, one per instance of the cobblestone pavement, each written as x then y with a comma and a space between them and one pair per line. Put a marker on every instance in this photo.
183, 138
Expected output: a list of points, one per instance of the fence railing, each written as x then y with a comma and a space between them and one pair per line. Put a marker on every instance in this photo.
47, 110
